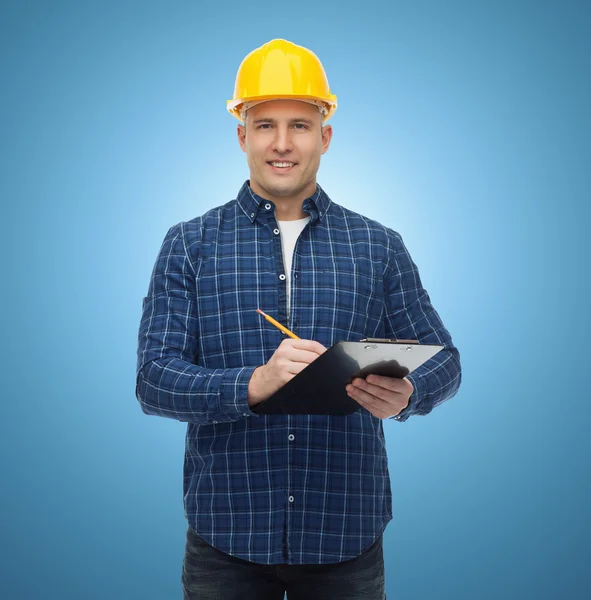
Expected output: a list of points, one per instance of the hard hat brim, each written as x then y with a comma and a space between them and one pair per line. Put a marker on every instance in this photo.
234, 106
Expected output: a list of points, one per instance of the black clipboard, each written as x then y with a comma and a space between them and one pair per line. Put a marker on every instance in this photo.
320, 388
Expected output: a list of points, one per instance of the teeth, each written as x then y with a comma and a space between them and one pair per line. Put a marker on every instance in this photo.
283, 164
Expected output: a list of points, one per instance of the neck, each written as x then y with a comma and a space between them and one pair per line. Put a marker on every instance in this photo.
288, 208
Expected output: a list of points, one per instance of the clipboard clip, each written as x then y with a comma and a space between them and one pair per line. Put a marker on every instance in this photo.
388, 341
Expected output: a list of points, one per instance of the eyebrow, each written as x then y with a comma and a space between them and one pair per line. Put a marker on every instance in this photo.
296, 120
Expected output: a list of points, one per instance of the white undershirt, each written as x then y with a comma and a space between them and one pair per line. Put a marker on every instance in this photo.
290, 231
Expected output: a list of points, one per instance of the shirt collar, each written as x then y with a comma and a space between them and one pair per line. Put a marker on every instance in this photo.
316, 205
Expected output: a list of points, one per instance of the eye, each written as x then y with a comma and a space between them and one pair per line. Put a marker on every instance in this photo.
263, 125
300, 126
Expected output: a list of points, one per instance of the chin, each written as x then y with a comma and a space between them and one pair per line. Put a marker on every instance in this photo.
282, 190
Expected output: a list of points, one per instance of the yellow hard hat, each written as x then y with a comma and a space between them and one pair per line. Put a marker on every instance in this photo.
281, 69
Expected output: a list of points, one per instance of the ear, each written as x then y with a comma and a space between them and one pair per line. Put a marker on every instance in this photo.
326, 137
241, 131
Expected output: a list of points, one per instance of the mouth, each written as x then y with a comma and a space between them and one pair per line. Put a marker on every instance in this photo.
281, 166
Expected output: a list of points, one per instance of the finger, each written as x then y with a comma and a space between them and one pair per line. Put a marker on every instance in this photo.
376, 391
381, 410
390, 383
368, 399
299, 356
309, 345
293, 368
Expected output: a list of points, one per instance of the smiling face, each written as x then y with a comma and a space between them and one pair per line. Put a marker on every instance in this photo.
283, 141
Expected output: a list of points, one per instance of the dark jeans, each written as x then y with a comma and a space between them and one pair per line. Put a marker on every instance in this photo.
209, 574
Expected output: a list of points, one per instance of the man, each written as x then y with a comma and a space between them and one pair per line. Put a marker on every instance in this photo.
283, 503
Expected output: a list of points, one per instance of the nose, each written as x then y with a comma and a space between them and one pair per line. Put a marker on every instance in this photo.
282, 142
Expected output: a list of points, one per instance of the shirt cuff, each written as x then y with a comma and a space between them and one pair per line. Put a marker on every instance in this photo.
414, 400
234, 393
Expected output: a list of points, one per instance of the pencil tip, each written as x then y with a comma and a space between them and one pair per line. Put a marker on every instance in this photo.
260, 311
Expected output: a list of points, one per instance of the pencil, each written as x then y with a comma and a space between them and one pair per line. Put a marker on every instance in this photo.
278, 325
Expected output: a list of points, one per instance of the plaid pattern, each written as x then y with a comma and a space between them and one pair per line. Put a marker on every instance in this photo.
295, 489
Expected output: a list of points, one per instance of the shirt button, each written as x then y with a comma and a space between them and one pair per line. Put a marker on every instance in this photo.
282, 277
267, 206
251, 215
276, 231
291, 437
291, 498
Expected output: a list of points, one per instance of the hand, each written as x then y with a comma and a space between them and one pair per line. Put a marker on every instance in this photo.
382, 396
287, 361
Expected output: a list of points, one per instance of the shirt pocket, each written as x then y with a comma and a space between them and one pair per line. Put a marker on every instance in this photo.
349, 300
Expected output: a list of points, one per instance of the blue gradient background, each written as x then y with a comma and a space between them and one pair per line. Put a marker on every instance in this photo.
463, 125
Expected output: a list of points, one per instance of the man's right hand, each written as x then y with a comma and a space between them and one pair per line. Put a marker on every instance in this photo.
291, 357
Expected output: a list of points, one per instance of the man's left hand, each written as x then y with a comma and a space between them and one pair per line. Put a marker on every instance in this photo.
383, 397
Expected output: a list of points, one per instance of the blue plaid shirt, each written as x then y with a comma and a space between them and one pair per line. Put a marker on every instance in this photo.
295, 489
